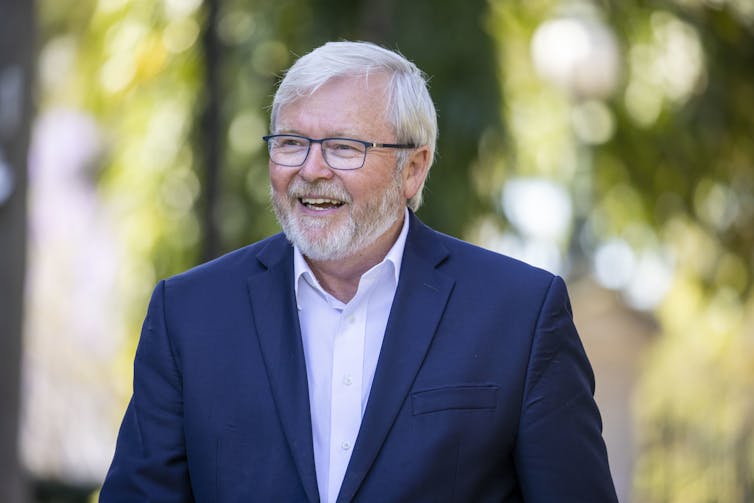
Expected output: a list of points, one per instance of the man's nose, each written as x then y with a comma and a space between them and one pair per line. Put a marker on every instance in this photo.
315, 167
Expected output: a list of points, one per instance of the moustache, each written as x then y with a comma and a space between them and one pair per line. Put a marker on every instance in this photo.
324, 189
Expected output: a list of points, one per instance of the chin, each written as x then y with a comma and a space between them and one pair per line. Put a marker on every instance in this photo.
326, 243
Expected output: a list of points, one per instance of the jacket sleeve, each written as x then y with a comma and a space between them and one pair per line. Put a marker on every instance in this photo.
150, 455
560, 453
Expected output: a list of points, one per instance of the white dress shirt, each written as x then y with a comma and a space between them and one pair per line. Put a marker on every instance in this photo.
341, 345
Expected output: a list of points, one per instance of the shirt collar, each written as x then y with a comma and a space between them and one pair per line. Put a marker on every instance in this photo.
302, 271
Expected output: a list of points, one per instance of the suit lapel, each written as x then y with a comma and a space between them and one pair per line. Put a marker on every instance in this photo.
276, 319
419, 302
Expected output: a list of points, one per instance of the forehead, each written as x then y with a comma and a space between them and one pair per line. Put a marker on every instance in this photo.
343, 105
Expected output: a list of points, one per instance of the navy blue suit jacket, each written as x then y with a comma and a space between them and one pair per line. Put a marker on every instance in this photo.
482, 391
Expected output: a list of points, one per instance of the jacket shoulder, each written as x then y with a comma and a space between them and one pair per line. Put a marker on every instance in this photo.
236, 265
473, 261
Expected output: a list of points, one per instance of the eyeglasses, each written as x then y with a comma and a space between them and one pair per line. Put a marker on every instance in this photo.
339, 153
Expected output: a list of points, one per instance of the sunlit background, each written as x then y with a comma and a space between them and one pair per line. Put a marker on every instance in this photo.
610, 142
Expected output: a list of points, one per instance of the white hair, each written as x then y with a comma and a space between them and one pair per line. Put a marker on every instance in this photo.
410, 110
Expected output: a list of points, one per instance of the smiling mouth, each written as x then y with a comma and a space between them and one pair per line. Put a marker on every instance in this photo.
320, 204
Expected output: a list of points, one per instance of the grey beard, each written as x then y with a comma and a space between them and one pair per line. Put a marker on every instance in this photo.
362, 228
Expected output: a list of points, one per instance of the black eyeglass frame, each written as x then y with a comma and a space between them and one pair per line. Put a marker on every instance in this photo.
367, 146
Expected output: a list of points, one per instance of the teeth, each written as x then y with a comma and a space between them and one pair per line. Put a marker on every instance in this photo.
321, 201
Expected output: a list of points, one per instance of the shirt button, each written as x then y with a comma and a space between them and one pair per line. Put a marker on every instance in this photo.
345, 446
347, 380
351, 319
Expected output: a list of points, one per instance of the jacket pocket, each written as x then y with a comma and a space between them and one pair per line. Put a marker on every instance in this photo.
462, 397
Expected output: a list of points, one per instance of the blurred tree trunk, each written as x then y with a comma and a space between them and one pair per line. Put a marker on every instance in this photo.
17, 37
376, 20
211, 134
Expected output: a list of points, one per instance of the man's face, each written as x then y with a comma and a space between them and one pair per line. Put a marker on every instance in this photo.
330, 214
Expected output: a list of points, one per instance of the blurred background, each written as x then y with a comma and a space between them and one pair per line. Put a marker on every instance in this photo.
611, 142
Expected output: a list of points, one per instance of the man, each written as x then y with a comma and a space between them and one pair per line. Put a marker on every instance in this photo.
361, 356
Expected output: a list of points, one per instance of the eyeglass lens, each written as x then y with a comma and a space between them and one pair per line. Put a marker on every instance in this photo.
339, 153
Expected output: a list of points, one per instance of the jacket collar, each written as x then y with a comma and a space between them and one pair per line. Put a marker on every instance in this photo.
277, 328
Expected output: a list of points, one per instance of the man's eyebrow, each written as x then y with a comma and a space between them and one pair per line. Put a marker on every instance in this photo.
332, 134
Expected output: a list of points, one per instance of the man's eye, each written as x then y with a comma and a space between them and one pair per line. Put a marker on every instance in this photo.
344, 147
291, 142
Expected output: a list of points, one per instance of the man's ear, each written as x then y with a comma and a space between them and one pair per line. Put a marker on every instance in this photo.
415, 171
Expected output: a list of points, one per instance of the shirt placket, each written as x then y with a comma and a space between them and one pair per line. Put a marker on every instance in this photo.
347, 379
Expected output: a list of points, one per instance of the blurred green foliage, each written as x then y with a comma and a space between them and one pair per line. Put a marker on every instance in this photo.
674, 174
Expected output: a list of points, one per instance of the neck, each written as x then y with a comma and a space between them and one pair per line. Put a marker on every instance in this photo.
340, 278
